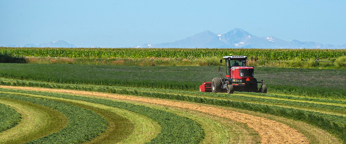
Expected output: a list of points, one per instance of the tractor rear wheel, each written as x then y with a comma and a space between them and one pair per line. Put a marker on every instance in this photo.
253, 86
230, 89
216, 85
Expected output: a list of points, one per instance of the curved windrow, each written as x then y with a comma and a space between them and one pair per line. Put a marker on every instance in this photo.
36, 121
83, 124
121, 123
119, 127
216, 129
328, 116
9, 117
175, 129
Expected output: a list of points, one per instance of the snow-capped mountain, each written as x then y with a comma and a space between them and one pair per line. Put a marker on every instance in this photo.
237, 38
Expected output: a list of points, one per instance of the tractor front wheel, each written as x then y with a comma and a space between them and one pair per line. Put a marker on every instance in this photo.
216, 85
230, 89
263, 89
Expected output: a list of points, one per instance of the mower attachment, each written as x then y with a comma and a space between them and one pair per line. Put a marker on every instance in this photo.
205, 87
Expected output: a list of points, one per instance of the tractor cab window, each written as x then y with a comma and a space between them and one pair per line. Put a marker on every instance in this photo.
238, 62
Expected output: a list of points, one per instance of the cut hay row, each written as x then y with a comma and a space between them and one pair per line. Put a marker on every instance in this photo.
39, 121
214, 131
9, 117
332, 123
82, 124
211, 128
179, 129
328, 121
217, 129
274, 132
307, 102
337, 107
36, 121
121, 123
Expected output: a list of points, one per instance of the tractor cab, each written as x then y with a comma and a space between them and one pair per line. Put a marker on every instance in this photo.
237, 69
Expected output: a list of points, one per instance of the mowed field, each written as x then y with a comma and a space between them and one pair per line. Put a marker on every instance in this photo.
72, 103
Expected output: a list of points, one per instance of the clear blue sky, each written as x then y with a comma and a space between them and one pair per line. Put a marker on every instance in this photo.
114, 23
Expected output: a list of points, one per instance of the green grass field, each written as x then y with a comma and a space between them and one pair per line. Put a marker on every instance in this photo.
324, 82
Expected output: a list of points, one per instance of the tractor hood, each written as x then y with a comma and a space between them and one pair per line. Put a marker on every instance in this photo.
241, 72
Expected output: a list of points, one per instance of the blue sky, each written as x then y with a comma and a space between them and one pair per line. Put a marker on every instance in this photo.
113, 23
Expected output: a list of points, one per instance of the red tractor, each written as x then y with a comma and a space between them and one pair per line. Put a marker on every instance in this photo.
239, 77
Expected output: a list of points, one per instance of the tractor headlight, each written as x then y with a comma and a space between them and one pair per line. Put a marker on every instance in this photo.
241, 74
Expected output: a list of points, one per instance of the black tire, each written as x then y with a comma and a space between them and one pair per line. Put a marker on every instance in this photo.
263, 89
230, 89
254, 86
216, 85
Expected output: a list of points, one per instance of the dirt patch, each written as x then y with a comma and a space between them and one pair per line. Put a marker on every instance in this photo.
270, 131
62, 60
118, 62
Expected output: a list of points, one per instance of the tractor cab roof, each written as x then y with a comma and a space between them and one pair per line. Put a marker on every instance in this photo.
235, 57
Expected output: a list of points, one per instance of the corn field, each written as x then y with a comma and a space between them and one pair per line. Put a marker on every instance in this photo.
269, 54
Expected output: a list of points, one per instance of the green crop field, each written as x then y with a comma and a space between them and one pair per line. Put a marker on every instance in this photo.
299, 58
95, 98
273, 54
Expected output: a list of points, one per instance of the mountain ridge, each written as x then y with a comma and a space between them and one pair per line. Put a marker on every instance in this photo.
58, 43
237, 38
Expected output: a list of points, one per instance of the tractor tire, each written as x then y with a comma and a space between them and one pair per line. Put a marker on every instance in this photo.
254, 87
216, 85
263, 89
230, 89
